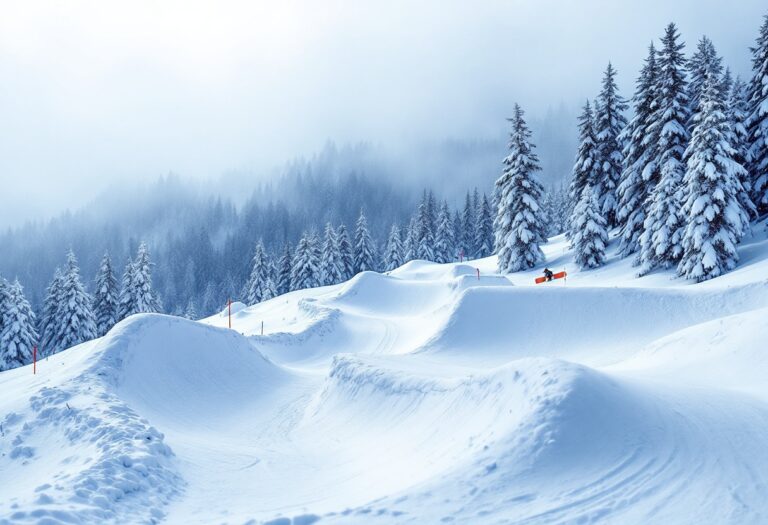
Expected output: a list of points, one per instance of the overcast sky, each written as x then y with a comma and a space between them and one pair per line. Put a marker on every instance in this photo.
98, 92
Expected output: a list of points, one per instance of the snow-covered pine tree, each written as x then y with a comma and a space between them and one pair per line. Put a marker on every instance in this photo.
726, 85
716, 219
425, 228
518, 226
484, 229
609, 123
563, 209
476, 204
126, 303
444, 241
660, 242
4, 298
18, 335
702, 63
365, 250
758, 121
76, 316
457, 233
736, 112
346, 253
305, 268
410, 246
228, 288
146, 299
546, 210
50, 322
331, 266
284, 270
394, 252
270, 290
105, 297
260, 272
191, 311
590, 237
212, 302
640, 174
585, 168
467, 241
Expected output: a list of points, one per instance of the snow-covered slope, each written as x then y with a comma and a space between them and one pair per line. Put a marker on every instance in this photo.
428, 395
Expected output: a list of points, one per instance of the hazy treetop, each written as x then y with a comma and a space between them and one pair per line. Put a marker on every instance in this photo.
96, 92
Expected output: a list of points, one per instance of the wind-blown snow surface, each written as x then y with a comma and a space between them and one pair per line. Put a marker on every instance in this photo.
423, 396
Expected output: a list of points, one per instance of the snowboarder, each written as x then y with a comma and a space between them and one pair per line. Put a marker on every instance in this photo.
548, 274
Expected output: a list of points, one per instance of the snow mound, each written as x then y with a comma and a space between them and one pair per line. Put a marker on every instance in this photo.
428, 271
533, 411
178, 371
388, 295
596, 325
540, 441
728, 352
232, 309
94, 459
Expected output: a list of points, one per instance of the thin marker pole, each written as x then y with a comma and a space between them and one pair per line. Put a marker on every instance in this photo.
34, 360
229, 308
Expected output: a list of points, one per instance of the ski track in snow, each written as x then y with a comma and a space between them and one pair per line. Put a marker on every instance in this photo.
425, 395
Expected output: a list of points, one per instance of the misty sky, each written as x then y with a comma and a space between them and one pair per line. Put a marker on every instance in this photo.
93, 93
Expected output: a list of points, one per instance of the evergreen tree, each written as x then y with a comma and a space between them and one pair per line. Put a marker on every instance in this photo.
4, 300
662, 228
18, 335
726, 85
346, 254
411, 246
590, 237
50, 340
736, 111
457, 233
585, 169
191, 311
758, 121
365, 250
146, 299
716, 219
212, 302
260, 272
127, 299
609, 123
467, 240
425, 228
518, 227
701, 64
76, 317
331, 266
484, 229
444, 241
270, 290
284, 270
394, 252
640, 174
105, 297
305, 268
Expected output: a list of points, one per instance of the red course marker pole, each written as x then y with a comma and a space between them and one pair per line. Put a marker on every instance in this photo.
34, 360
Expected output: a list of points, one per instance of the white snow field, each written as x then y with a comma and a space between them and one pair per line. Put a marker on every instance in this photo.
423, 396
